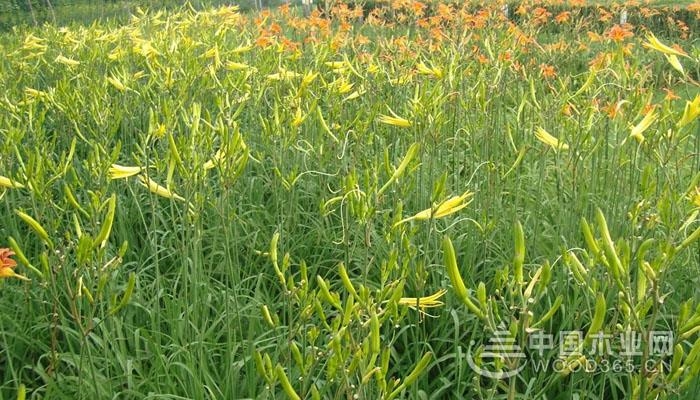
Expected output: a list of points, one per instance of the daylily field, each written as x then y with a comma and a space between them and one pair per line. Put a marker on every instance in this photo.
414, 200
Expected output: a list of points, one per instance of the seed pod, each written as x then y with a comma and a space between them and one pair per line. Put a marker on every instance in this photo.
456, 278
678, 354
21, 392
21, 257
649, 272
588, 237
410, 155
326, 294
315, 395
519, 257
286, 386
267, 317
127, 293
36, 227
481, 295
550, 313
693, 358
577, 269
296, 354
274, 259
73, 201
374, 337
413, 376
174, 152
609, 247
598, 316
260, 366
346, 280
101, 239
689, 240
531, 285
546, 275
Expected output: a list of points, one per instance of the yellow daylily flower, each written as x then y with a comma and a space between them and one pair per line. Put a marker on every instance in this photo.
114, 81
675, 63
236, 66
432, 71
335, 64
117, 171
692, 111
214, 161
9, 183
283, 74
395, 120
447, 207
354, 95
155, 188
695, 196
654, 43
242, 49
421, 303
544, 137
299, 118
342, 86
67, 61
308, 78
642, 126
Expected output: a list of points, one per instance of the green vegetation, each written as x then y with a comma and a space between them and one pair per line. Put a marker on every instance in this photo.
213, 204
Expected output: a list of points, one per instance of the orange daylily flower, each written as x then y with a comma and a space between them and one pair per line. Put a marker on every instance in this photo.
618, 33
548, 71
563, 17
7, 265
670, 94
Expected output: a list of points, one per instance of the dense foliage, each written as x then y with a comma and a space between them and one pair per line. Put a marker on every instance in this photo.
412, 201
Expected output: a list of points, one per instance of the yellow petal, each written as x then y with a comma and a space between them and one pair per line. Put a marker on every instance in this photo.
447, 207
67, 61
117, 171
675, 63
9, 183
544, 137
642, 126
7, 272
395, 121
236, 66
691, 111
654, 43
424, 302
